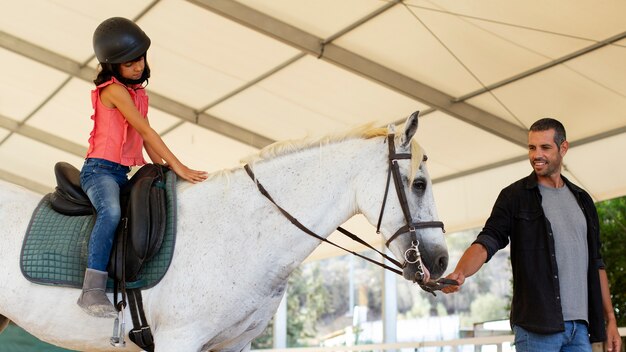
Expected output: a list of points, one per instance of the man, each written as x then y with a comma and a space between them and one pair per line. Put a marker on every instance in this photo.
561, 299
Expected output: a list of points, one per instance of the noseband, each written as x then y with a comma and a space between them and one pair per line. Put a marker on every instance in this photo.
411, 255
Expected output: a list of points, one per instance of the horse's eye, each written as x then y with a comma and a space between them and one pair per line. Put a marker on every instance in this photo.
419, 184
425, 158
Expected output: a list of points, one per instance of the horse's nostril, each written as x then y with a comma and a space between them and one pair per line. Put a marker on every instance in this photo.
443, 262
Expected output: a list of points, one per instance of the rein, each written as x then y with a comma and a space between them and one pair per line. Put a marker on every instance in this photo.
306, 230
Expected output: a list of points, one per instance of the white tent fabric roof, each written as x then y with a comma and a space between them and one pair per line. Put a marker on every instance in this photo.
229, 77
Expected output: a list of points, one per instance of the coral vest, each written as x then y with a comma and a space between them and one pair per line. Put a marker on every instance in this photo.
112, 137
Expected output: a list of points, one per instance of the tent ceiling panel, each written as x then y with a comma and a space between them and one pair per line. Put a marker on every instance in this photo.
546, 16
486, 59
467, 201
490, 101
206, 55
599, 166
568, 96
338, 94
604, 66
33, 159
472, 147
67, 114
206, 150
323, 18
161, 121
25, 84
61, 26
313, 97
272, 116
490, 54
544, 44
415, 53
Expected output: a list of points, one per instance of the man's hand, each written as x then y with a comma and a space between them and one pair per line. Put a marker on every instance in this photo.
472, 259
613, 340
458, 277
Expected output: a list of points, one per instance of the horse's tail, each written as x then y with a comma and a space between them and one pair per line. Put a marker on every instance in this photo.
4, 322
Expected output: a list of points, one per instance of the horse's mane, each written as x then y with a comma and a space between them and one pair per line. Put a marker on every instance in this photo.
294, 145
366, 131
280, 148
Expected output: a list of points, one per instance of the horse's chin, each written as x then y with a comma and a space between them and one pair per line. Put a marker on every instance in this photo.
411, 273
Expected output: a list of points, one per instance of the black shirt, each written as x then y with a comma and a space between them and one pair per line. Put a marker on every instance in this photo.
517, 218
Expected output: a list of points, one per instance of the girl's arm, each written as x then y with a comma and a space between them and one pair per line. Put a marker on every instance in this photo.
116, 96
156, 159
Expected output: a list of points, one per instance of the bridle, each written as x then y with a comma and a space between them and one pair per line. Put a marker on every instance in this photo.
411, 255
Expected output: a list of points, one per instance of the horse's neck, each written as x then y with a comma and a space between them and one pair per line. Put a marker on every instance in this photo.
316, 185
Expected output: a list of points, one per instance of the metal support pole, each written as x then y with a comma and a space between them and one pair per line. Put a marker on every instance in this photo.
390, 305
280, 324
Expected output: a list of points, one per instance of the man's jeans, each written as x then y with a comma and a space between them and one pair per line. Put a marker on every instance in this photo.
575, 338
101, 180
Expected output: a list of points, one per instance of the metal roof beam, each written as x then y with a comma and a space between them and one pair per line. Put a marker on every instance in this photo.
535, 70
24, 182
572, 144
362, 66
158, 101
43, 136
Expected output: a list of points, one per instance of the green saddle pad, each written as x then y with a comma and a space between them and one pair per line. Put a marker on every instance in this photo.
54, 251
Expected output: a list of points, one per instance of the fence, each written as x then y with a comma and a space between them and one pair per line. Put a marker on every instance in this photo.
456, 345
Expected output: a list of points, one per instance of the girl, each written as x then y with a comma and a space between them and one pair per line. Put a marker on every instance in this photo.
120, 130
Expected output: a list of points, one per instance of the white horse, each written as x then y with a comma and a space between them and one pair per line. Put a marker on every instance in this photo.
234, 249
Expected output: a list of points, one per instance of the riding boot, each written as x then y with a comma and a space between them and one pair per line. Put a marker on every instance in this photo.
93, 299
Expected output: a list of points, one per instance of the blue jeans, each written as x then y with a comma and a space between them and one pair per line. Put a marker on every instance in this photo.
101, 180
575, 338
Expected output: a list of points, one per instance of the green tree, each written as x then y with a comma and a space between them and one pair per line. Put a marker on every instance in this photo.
487, 307
612, 215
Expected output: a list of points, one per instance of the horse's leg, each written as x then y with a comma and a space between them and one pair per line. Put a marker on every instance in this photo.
247, 347
168, 342
177, 342
4, 322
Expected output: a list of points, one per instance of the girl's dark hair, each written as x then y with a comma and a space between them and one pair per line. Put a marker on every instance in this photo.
108, 70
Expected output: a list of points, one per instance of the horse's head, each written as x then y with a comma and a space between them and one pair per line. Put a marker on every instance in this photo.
408, 217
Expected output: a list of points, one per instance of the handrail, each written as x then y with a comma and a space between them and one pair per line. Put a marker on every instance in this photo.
486, 340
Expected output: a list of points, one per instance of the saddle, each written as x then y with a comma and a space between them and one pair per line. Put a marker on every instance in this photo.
142, 228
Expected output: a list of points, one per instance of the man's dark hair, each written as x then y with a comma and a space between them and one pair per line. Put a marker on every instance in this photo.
108, 70
551, 124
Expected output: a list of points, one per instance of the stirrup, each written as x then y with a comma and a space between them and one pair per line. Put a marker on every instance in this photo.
117, 340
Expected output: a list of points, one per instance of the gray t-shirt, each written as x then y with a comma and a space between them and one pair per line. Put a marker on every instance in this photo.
570, 239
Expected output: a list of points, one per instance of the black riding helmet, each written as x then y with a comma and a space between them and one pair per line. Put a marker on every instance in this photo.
118, 40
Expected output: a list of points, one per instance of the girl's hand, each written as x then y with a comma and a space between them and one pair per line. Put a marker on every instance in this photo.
188, 174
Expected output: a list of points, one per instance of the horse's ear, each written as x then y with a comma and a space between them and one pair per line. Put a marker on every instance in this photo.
410, 127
